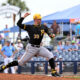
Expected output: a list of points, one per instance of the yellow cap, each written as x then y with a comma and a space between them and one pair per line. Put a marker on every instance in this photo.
37, 16
19, 40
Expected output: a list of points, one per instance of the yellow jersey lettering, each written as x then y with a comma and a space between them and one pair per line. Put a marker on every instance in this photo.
42, 32
36, 36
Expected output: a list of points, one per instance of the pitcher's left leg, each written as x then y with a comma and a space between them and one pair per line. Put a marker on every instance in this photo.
46, 53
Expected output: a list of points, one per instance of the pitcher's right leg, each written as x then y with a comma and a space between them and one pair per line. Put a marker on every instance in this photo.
30, 52
46, 53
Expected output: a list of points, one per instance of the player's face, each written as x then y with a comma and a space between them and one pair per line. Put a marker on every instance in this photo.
59, 43
37, 21
67, 43
7, 44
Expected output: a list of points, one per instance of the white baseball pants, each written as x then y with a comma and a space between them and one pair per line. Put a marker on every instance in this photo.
6, 61
32, 51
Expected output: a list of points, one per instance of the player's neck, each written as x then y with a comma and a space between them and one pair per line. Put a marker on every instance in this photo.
35, 24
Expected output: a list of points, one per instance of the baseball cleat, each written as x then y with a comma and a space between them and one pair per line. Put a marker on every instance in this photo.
2, 67
54, 73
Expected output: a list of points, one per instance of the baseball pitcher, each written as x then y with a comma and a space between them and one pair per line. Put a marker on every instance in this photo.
35, 32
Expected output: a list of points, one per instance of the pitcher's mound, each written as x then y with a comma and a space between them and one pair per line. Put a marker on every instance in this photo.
30, 77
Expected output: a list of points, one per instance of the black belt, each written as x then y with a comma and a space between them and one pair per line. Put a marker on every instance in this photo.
35, 45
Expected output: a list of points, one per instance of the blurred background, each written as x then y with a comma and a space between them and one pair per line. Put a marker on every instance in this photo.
62, 17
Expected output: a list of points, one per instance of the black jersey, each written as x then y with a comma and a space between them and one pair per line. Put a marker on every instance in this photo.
35, 32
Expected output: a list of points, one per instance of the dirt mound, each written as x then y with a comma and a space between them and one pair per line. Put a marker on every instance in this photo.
30, 77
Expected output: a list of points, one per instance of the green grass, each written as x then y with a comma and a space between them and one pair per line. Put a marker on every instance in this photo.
74, 77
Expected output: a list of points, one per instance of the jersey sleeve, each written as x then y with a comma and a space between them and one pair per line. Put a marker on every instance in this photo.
23, 26
48, 31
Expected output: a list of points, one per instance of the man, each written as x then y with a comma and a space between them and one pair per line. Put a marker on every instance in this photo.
67, 46
36, 33
55, 28
19, 45
77, 29
6, 32
73, 46
7, 53
60, 47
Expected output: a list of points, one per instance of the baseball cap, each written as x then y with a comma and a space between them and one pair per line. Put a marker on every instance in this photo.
73, 41
19, 40
37, 16
8, 41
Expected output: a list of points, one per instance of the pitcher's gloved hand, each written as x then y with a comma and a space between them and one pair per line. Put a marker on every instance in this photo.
52, 35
